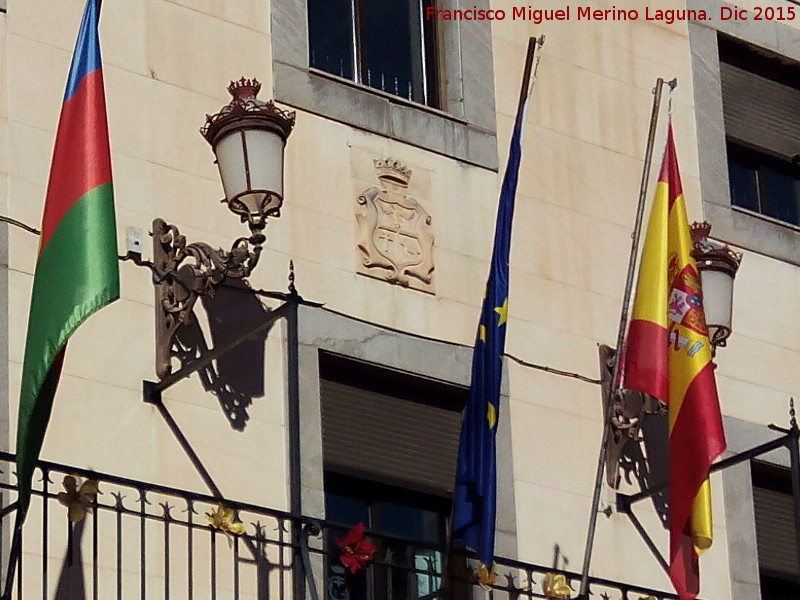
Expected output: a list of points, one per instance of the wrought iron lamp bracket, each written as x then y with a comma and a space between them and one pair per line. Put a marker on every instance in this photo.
184, 272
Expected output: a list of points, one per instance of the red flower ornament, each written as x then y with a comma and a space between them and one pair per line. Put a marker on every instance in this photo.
356, 550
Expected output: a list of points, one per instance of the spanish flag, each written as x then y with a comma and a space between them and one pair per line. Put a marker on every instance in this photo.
668, 355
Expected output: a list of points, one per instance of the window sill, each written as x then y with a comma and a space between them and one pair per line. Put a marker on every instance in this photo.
389, 96
372, 110
767, 218
754, 231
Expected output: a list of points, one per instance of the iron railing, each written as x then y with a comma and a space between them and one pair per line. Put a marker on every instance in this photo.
150, 542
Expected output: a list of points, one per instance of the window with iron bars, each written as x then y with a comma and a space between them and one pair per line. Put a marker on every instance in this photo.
387, 45
409, 531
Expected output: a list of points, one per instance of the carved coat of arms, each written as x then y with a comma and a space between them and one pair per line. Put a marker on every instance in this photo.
395, 238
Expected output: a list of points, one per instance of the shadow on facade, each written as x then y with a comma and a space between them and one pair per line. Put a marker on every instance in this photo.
646, 463
656, 469
236, 377
560, 561
638, 444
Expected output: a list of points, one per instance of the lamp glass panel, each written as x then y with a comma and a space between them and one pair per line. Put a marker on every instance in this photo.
265, 157
231, 163
717, 297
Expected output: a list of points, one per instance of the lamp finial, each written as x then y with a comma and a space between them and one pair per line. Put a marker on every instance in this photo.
244, 89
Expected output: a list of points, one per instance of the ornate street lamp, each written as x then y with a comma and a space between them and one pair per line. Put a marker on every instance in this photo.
718, 265
248, 137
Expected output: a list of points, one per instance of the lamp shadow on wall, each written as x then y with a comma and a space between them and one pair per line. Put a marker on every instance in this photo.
645, 463
638, 445
656, 445
236, 377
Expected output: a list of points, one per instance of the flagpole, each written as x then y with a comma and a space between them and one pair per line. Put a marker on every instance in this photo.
637, 228
526, 88
623, 321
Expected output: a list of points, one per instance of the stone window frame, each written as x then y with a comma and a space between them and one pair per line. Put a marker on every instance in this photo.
465, 129
320, 329
739, 515
733, 224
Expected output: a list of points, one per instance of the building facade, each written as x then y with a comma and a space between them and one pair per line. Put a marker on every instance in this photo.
348, 409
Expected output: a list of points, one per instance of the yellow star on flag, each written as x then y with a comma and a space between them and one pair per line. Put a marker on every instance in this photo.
502, 311
482, 333
491, 415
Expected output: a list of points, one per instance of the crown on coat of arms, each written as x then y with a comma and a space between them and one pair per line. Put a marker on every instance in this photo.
392, 170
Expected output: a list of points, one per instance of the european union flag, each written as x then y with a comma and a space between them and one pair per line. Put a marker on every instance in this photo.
475, 504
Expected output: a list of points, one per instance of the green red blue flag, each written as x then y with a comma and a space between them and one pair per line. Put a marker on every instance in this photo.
77, 269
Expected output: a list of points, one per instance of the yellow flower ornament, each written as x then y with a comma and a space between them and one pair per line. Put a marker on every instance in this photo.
77, 499
556, 587
224, 520
486, 578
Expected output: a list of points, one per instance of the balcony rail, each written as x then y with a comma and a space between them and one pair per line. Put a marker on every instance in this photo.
151, 542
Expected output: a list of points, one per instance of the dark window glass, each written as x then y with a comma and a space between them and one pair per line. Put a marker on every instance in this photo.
387, 510
410, 535
389, 59
330, 32
384, 44
778, 588
763, 183
346, 509
407, 521
760, 101
744, 186
397, 483
780, 195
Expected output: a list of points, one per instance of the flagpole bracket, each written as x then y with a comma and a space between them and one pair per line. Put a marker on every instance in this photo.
623, 504
627, 411
151, 393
